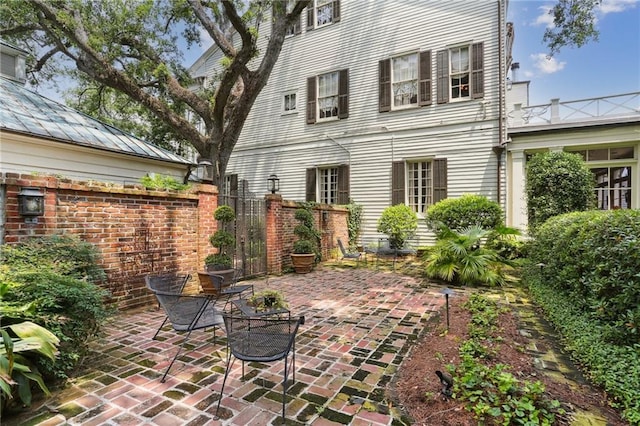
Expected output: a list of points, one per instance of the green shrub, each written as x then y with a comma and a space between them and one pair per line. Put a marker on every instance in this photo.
308, 236
156, 181
354, 223
557, 183
461, 258
593, 257
60, 289
399, 223
465, 212
222, 239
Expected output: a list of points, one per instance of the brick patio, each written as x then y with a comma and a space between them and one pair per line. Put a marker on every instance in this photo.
360, 323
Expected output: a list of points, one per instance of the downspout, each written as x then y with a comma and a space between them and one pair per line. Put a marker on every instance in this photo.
498, 150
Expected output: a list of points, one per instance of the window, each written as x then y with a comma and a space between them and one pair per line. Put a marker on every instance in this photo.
323, 12
460, 73
404, 81
613, 172
328, 96
419, 183
329, 185
289, 103
296, 27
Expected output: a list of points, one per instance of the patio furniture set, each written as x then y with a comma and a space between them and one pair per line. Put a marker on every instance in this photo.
259, 335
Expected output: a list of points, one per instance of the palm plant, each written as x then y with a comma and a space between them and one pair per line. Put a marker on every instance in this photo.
461, 258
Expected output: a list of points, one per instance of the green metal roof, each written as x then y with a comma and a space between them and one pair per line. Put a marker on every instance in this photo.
27, 112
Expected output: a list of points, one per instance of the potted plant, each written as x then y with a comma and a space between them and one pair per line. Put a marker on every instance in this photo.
305, 249
224, 241
268, 299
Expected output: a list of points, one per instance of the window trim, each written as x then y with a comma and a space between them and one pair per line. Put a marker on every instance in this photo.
476, 73
424, 82
286, 93
312, 183
439, 180
312, 15
313, 111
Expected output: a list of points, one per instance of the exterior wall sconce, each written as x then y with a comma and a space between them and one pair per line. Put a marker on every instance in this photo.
31, 202
273, 183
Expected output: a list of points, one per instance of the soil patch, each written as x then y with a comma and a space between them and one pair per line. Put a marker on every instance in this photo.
418, 391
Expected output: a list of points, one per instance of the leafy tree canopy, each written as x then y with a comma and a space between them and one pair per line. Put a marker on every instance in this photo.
574, 24
121, 47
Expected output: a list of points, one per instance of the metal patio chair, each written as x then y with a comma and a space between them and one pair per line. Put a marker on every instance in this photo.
261, 339
186, 312
349, 255
171, 282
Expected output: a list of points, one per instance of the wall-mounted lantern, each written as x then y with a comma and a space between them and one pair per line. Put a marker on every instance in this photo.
31, 202
273, 183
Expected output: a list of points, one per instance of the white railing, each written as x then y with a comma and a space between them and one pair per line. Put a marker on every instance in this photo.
625, 105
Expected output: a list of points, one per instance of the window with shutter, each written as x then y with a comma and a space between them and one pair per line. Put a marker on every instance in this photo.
328, 185
404, 81
419, 183
323, 13
328, 96
460, 73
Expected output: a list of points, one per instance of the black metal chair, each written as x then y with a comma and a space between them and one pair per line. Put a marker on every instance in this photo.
261, 339
171, 282
349, 255
185, 312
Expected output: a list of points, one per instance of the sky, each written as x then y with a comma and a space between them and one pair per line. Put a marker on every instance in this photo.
609, 66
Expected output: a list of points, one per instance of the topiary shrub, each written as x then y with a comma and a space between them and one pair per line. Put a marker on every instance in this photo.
557, 183
222, 239
399, 223
305, 230
464, 212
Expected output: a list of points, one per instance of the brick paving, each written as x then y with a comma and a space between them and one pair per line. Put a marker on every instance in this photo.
360, 323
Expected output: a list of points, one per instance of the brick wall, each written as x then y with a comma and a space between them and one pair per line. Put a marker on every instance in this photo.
136, 231
139, 232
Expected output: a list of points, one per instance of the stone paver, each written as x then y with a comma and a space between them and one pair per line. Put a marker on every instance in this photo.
359, 325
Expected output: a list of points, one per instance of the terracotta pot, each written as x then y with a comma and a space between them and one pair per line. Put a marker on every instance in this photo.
303, 263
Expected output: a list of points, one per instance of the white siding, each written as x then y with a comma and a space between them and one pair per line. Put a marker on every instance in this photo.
370, 31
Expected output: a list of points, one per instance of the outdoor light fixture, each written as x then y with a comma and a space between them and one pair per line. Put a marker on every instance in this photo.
31, 202
447, 292
273, 183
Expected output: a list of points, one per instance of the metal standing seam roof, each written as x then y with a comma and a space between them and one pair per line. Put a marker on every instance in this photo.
24, 111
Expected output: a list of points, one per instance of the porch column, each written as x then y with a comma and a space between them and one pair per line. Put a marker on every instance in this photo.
516, 201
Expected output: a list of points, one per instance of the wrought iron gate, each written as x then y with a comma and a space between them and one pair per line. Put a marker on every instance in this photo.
250, 255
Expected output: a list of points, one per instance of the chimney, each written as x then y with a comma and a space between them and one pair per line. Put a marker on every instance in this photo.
514, 71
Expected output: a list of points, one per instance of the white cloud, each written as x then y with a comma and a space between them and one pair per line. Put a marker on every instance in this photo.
613, 6
544, 18
545, 64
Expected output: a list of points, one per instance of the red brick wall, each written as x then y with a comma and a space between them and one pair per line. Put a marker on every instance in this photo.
136, 231
139, 232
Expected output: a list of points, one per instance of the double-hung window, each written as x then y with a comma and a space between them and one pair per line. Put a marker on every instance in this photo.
460, 73
289, 102
404, 81
329, 185
328, 96
296, 27
419, 183
322, 13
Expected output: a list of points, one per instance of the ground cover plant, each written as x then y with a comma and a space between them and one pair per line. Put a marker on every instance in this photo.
56, 278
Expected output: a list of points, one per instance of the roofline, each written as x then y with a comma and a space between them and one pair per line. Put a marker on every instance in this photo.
550, 128
186, 162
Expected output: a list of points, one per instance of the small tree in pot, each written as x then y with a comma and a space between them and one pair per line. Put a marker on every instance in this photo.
305, 249
223, 240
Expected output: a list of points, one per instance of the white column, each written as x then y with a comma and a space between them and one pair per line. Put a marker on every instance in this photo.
516, 201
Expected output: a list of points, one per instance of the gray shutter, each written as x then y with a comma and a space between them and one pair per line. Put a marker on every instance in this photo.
425, 78
336, 11
298, 25
442, 72
310, 17
384, 85
439, 179
311, 185
311, 100
343, 184
397, 183
477, 70
343, 94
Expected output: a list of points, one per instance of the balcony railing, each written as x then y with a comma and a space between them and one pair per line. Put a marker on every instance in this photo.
617, 106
